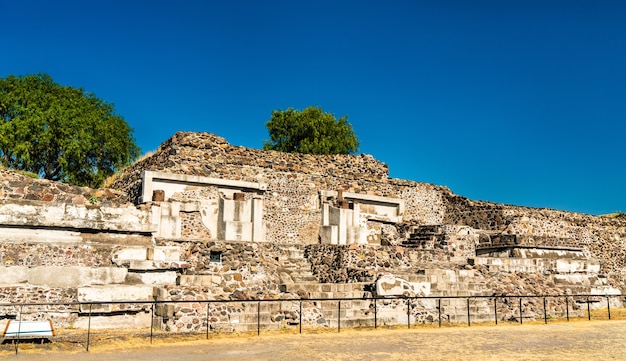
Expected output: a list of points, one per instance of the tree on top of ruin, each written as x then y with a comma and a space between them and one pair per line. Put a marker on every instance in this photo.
60, 132
310, 131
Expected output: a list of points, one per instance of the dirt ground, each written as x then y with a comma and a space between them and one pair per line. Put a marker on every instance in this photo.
580, 340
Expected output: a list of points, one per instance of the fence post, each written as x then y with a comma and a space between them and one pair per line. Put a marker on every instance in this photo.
439, 310
521, 316
567, 308
339, 317
300, 315
495, 308
19, 329
89, 326
588, 309
152, 320
208, 320
545, 312
258, 318
469, 322
608, 306
375, 315
408, 313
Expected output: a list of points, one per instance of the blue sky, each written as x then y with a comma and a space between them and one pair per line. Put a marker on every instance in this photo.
514, 102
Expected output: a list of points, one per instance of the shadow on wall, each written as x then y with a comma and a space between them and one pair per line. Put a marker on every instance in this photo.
475, 214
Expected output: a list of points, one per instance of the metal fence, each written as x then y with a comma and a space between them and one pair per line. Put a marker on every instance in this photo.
494, 302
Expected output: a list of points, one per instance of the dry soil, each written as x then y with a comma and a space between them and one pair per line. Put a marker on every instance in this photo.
580, 340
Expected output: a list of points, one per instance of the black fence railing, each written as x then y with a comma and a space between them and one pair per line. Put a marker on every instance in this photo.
514, 305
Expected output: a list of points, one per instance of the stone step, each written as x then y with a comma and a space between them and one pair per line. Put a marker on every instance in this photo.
335, 295
294, 261
294, 268
304, 278
324, 287
250, 317
244, 327
355, 322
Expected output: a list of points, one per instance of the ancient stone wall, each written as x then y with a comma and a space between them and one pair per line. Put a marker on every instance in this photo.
209, 155
604, 237
103, 245
48, 255
15, 186
292, 205
341, 264
292, 210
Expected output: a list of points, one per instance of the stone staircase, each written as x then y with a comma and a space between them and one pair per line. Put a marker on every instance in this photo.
294, 267
328, 290
427, 237
251, 316
354, 310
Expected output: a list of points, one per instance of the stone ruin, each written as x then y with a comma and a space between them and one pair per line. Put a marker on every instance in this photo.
202, 219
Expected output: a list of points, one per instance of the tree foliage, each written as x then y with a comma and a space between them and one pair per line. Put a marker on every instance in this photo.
61, 133
310, 131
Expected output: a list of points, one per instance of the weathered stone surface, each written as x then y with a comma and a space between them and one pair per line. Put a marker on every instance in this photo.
115, 293
139, 320
128, 254
127, 293
13, 275
57, 276
427, 239
389, 285
16, 186
572, 266
153, 278
32, 213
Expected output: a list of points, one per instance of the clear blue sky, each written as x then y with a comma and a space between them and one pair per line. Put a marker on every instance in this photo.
518, 102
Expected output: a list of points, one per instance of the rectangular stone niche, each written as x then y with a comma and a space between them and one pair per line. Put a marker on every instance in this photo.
237, 215
171, 183
384, 209
215, 257
347, 223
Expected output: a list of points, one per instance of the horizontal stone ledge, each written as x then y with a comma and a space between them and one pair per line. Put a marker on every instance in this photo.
324, 287
200, 280
153, 278
62, 276
150, 265
76, 217
115, 293
399, 202
58, 236
498, 248
80, 226
173, 181
146, 253
127, 321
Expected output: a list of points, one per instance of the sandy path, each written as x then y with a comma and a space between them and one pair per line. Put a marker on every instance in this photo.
599, 340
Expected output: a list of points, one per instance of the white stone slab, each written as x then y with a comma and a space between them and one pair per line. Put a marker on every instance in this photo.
57, 276
389, 285
115, 293
127, 254
14, 274
166, 253
136, 321
155, 278
171, 183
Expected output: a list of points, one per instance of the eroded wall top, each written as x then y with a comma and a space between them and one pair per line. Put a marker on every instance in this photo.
15, 186
205, 154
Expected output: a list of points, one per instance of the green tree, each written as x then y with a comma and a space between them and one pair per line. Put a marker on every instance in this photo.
61, 133
310, 131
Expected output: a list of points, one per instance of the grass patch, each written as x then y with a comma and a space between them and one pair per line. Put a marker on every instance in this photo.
22, 172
